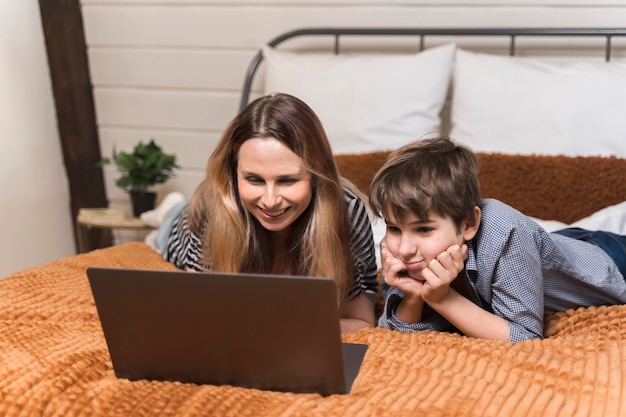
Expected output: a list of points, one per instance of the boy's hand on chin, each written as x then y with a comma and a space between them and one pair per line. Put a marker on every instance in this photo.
442, 271
395, 274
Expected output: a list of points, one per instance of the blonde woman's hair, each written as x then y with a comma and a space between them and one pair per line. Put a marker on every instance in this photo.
234, 241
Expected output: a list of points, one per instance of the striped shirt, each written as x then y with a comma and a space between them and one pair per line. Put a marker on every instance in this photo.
184, 247
518, 271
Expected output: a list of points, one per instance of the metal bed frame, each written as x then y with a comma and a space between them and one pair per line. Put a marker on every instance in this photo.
422, 33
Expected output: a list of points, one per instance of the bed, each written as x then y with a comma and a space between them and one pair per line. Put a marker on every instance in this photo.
54, 359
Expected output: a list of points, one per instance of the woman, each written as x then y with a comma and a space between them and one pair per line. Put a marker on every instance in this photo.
272, 202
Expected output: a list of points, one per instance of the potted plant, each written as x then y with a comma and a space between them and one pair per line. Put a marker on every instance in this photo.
145, 166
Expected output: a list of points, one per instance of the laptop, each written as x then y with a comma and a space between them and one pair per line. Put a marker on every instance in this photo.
270, 332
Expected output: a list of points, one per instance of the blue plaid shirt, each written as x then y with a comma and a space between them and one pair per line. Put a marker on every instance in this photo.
518, 271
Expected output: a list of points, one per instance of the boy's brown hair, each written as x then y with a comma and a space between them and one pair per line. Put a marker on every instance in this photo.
431, 175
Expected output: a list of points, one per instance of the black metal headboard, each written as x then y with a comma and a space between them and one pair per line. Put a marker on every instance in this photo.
512, 33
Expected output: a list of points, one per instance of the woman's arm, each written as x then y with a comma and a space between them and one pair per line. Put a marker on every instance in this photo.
184, 247
358, 313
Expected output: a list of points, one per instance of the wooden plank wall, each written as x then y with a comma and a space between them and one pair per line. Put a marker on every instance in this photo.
173, 70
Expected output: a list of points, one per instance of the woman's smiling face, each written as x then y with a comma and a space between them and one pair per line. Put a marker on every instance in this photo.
274, 185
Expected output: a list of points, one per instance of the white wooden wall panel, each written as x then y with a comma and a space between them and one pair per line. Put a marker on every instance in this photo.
193, 155
241, 27
173, 70
386, 3
169, 68
165, 108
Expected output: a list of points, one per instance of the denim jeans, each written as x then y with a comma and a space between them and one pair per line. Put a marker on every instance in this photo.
613, 244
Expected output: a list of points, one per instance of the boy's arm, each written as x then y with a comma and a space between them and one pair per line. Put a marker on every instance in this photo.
516, 293
471, 319
431, 320
410, 308
404, 305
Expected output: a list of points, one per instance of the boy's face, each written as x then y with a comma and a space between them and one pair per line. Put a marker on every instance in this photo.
417, 241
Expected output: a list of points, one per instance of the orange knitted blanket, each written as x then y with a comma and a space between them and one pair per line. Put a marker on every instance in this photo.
54, 362
563, 188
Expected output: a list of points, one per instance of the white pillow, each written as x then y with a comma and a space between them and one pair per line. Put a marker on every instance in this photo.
379, 229
609, 219
366, 102
522, 105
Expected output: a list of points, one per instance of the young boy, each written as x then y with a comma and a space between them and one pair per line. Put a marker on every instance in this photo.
452, 260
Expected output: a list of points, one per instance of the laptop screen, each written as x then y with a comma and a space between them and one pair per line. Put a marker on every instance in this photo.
262, 331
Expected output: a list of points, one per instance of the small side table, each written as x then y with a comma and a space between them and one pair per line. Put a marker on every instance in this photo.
104, 218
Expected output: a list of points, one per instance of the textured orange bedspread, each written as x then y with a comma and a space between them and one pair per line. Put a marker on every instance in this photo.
54, 362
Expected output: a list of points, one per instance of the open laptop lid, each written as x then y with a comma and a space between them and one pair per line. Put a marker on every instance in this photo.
262, 331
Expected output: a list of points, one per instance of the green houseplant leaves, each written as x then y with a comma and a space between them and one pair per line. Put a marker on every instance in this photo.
145, 166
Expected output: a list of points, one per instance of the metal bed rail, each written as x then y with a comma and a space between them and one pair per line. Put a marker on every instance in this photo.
422, 33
